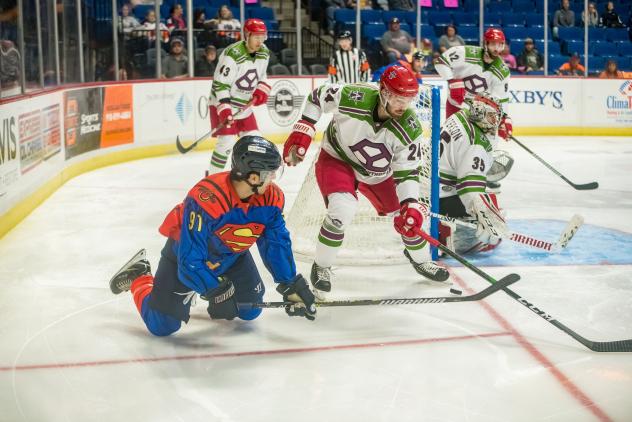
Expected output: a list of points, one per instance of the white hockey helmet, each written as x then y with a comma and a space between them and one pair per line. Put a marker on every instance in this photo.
485, 112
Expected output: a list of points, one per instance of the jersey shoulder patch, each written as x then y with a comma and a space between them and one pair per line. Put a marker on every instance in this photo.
236, 51
473, 53
359, 96
212, 194
407, 128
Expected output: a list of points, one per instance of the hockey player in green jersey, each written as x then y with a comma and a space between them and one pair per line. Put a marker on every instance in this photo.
473, 70
372, 145
466, 157
238, 84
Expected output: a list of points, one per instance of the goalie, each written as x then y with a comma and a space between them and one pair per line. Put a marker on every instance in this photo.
372, 144
466, 159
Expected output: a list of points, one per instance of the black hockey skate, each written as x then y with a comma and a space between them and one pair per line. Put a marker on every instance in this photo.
321, 278
134, 268
428, 269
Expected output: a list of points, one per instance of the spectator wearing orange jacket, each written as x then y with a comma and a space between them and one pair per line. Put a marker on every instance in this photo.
572, 67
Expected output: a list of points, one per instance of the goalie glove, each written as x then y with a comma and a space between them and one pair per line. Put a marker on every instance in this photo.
491, 227
505, 129
457, 92
297, 143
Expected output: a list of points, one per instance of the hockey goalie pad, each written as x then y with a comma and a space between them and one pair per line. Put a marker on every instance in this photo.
490, 221
503, 162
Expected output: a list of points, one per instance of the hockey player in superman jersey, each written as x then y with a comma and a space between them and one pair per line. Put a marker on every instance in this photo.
207, 251
473, 70
372, 145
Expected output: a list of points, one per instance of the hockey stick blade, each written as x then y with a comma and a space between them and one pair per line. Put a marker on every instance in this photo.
571, 228
182, 149
499, 285
586, 186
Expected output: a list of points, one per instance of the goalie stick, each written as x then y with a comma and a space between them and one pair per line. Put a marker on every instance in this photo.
584, 186
565, 237
595, 346
212, 132
498, 285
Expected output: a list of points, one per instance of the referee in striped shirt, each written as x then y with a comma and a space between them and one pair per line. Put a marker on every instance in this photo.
348, 64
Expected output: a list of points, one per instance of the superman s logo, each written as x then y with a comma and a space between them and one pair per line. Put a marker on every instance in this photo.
239, 237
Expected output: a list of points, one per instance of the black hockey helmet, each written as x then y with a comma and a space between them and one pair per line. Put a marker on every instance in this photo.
254, 154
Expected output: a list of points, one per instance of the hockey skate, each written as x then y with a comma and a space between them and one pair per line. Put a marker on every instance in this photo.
134, 268
428, 269
321, 278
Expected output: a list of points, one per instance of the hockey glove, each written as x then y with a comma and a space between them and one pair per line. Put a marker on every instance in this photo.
298, 292
297, 143
260, 96
491, 227
225, 113
457, 92
221, 301
505, 130
410, 217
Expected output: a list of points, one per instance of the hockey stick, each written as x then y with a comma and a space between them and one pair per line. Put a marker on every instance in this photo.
500, 284
584, 186
595, 346
567, 234
212, 132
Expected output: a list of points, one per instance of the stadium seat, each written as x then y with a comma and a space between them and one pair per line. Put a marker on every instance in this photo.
604, 49
371, 16
278, 69
596, 64
573, 33
555, 62
427, 32
468, 32
516, 33
492, 18
534, 19
263, 13
574, 46
439, 18
536, 32
387, 15
288, 56
318, 69
465, 19
294, 69
596, 34
500, 7
523, 7
624, 48
373, 31
514, 19
406, 27
411, 18
210, 12
344, 15
617, 34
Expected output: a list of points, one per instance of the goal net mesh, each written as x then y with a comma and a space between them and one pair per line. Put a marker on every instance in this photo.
370, 239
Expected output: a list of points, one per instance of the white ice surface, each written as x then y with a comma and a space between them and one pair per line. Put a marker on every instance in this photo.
71, 351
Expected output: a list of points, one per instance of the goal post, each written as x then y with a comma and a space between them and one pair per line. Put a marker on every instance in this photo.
371, 239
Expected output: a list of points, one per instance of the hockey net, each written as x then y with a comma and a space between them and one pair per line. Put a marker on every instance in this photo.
370, 239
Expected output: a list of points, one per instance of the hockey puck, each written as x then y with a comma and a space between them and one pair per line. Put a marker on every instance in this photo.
456, 292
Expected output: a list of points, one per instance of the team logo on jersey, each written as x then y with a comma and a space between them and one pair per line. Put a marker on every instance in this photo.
474, 84
239, 237
248, 81
356, 96
205, 195
412, 123
284, 103
374, 156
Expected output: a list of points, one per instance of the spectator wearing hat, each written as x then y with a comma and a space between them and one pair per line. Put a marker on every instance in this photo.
610, 18
530, 59
572, 67
395, 42
348, 64
450, 39
175, 65
205, 65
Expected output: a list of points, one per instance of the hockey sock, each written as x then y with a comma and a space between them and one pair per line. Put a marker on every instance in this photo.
220, 154
141, 287
415, 247
330, 239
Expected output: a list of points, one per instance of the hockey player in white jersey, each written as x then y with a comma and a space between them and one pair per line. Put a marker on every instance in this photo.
238, 84
466, 157
473, 70
372, 145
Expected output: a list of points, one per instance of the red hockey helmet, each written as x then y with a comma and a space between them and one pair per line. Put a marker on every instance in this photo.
255, 26
494, 34
398, 80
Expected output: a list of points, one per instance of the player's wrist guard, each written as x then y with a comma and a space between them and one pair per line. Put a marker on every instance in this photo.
457, 92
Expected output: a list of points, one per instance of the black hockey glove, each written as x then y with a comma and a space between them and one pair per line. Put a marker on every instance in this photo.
221, 300
298, 292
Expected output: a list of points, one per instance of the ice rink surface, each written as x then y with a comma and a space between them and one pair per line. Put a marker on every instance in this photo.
72, 351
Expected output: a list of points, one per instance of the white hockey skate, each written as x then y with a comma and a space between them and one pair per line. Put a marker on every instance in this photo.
428, 269
134, 268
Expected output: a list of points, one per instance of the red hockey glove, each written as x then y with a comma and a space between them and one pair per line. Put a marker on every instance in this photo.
457, 92
505, 130
225, 113
297, 143
410, 217
260, 96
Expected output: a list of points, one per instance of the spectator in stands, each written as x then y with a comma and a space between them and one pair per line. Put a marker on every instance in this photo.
563, 17
509, 59
149, 28
610, 18
10, 63
450, 39
572, 67
127, 22
203, 36
205, 66
226, 26
530, 59
611, 71
176, 20
330, 8
395, 42
427, 51
175, 64
403, 5
593, 16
